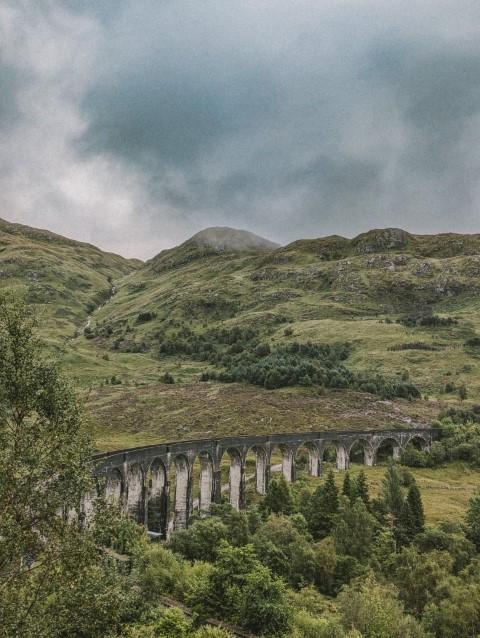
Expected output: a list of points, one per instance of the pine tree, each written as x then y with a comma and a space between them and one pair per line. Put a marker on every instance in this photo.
360, 488
323, 508
347, 488
392, 491
417, 516
278, 498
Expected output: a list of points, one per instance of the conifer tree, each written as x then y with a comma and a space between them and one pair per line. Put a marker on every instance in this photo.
360, 488
323, 508
417, 515
348, 487
392, 491
278, 498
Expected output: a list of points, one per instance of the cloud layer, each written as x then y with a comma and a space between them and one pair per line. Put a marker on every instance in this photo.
134, 123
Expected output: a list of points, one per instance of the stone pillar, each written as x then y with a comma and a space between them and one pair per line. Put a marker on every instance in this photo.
217, 486
87, 507
314, 461
237, 482
135, 493
261, 466
183, 493
369, 456
157, 501
113, 487
206, 483
397, 451
343, 460
288, 464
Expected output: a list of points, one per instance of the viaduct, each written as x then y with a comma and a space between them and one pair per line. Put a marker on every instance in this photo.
156, 483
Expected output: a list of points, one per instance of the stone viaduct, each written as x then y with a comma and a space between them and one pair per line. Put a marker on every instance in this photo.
156, 483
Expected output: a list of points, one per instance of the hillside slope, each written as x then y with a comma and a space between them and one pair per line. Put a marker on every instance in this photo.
64, 278
369, 291
396, 309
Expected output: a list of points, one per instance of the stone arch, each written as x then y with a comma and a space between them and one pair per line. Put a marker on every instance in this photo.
307, 458
114, 487
286, 453
336, 451
135, 492
157, 497
181, 504
388, 446
420, 441
361, 451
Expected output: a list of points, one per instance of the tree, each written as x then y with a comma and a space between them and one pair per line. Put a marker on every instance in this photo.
285, 550
47, 564
417, 576
347, 487
354, 530
473, 520
262, 604
458, 614
360, 488
243, 591
323, 507
278, 498
392, 491
200, 541
415, 505
375, 611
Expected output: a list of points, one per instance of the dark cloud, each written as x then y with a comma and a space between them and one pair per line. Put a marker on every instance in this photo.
293, 119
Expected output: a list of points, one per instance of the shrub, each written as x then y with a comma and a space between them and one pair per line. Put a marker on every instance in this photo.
167, 378
145, 316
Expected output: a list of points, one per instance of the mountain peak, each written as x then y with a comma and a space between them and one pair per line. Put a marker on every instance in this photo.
225, 239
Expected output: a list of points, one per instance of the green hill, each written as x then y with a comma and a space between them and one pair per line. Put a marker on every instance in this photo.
398, 312
66, 279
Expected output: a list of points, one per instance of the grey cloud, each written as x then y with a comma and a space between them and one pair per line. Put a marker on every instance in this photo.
291, 119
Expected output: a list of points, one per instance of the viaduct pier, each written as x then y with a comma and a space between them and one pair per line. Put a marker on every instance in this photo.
156, 483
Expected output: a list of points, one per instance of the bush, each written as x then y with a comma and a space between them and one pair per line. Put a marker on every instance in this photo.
167, 378
145, 316
474, 342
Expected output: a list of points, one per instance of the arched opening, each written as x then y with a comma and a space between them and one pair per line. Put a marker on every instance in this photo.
179, 493
307, 461
114, 487
236, 479
329, 456
135, 492
419, 443
334, 454
256, 473
387, 450
361, 452
282, 459
157, 498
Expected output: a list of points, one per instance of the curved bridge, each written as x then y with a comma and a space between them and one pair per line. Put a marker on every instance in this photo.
155, 484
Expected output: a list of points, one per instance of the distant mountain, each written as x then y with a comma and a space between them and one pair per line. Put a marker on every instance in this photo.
217, 240
225, 239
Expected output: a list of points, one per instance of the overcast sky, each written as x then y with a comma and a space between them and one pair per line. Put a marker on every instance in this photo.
132, 124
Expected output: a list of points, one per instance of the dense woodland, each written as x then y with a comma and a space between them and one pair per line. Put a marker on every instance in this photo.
304, 561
